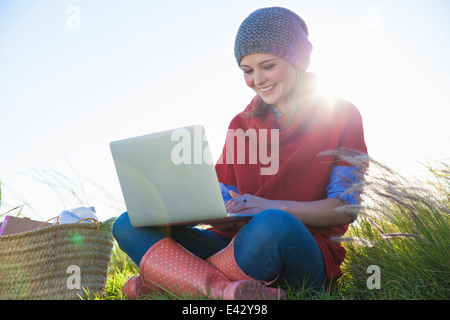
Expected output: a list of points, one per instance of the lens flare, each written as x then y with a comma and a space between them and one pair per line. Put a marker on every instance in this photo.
77, 239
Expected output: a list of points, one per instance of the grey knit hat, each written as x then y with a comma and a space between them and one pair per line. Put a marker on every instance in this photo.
274, 30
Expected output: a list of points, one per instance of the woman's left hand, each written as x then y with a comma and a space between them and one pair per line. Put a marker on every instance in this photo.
317, 213
248, 204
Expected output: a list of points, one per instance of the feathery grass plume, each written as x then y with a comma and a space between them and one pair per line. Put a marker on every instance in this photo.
68, 192
354, 240
407, 221
18, 209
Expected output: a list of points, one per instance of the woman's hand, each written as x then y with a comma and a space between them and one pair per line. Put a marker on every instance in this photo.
319, 213
238, 205
249, 204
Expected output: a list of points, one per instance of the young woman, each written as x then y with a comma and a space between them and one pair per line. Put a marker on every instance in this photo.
290, 241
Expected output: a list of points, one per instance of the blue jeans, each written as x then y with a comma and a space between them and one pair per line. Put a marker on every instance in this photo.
273, 243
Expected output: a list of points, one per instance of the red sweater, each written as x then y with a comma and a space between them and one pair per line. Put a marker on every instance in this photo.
321, 124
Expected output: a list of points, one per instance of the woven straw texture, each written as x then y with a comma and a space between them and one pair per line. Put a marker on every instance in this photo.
57, 262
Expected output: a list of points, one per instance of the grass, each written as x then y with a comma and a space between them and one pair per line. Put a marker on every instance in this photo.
12, 211
402, 229
405, 227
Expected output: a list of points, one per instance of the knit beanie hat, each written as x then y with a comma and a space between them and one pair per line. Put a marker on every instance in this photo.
274, 30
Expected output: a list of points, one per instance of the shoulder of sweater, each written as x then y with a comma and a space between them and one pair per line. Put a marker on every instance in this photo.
342, 105
238, 121
335, 103
341, 112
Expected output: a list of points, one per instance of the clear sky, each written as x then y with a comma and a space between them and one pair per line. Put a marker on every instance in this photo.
75, 75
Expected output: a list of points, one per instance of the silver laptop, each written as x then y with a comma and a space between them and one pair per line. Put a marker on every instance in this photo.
168, 178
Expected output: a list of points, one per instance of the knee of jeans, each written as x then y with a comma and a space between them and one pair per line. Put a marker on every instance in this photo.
276, 218
121, 227
274, 223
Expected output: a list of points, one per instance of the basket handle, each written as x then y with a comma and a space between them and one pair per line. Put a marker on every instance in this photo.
97, 223
43, 223
57, 223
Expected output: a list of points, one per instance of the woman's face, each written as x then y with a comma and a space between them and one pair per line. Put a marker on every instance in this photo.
270, 76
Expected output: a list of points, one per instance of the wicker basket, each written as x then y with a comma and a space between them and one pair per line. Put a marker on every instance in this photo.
63, 261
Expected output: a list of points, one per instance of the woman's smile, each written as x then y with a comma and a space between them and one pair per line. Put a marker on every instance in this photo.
271, 77
267, 90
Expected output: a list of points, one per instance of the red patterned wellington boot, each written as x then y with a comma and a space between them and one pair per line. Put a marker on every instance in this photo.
134, 289
225, 261
169, 266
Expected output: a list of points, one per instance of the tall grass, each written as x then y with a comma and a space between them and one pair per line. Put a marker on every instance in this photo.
16, 210
403, 229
